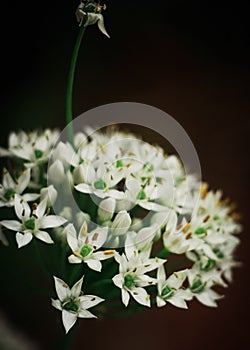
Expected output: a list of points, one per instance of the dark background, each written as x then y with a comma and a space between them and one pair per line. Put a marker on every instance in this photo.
188, 58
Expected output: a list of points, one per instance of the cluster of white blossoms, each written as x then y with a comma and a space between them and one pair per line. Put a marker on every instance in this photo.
134, 205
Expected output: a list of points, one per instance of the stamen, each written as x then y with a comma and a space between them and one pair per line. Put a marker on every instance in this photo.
109, 252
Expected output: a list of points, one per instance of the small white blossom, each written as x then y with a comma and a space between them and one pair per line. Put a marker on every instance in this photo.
10, 187
73, 303
132, 278
33, 223
201, 283
85, 245
171, 290
89, 14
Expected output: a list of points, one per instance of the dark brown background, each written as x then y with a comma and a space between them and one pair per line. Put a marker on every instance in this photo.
187, 58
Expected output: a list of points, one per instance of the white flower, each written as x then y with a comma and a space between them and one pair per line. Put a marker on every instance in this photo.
88, 14
171, 290
73, 303
34, 148
102, 182
33, 223
132, 278
179, 240
201, 283
85, 245
10, 187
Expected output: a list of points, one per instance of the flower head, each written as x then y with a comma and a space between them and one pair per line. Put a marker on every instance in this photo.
89, 13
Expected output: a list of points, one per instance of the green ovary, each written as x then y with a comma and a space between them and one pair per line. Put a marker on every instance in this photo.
100, 185
30, 224
71, 305
129, 281
9, 194
38, 153
198, 286
167, 292
85, 251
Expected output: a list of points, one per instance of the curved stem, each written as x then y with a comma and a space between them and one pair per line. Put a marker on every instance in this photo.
69, 113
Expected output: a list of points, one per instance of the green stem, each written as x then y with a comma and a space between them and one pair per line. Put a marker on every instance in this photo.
69, 113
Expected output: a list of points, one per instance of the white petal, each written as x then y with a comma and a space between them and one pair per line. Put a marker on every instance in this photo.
86, 314
94, 264
84, 188
102, 27
41, 208
23, 181
125, 297
118, 280
23, 239
76, 289
71, 237
74, 259
141, 296
8, 182
44, 236
103, 256
12, 225
205, 299
160, 302
52, 221
56, 304
62, 289
88, 301
69, 319
161, 275
22, 208
101, 234
178, 302
30, 197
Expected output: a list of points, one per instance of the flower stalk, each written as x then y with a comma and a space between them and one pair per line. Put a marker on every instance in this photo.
69, 94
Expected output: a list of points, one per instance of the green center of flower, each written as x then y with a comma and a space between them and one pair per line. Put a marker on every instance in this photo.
30, 224
218, 253
119, 164
71, 305
100, 184
9, 194
167, 292
142, 195
210, 265
129, 281
38, 153
85, 251
198, 286
200, 231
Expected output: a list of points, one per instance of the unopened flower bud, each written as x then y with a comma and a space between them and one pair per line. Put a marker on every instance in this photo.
121, 223
56, 172
50, 193
106, 209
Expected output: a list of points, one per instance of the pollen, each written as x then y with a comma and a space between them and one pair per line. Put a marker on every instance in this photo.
186, 228
109, 252
204, 190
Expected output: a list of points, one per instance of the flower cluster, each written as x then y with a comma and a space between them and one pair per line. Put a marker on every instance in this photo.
135, 206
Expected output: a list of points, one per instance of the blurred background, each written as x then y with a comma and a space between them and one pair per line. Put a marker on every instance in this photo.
188, 58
